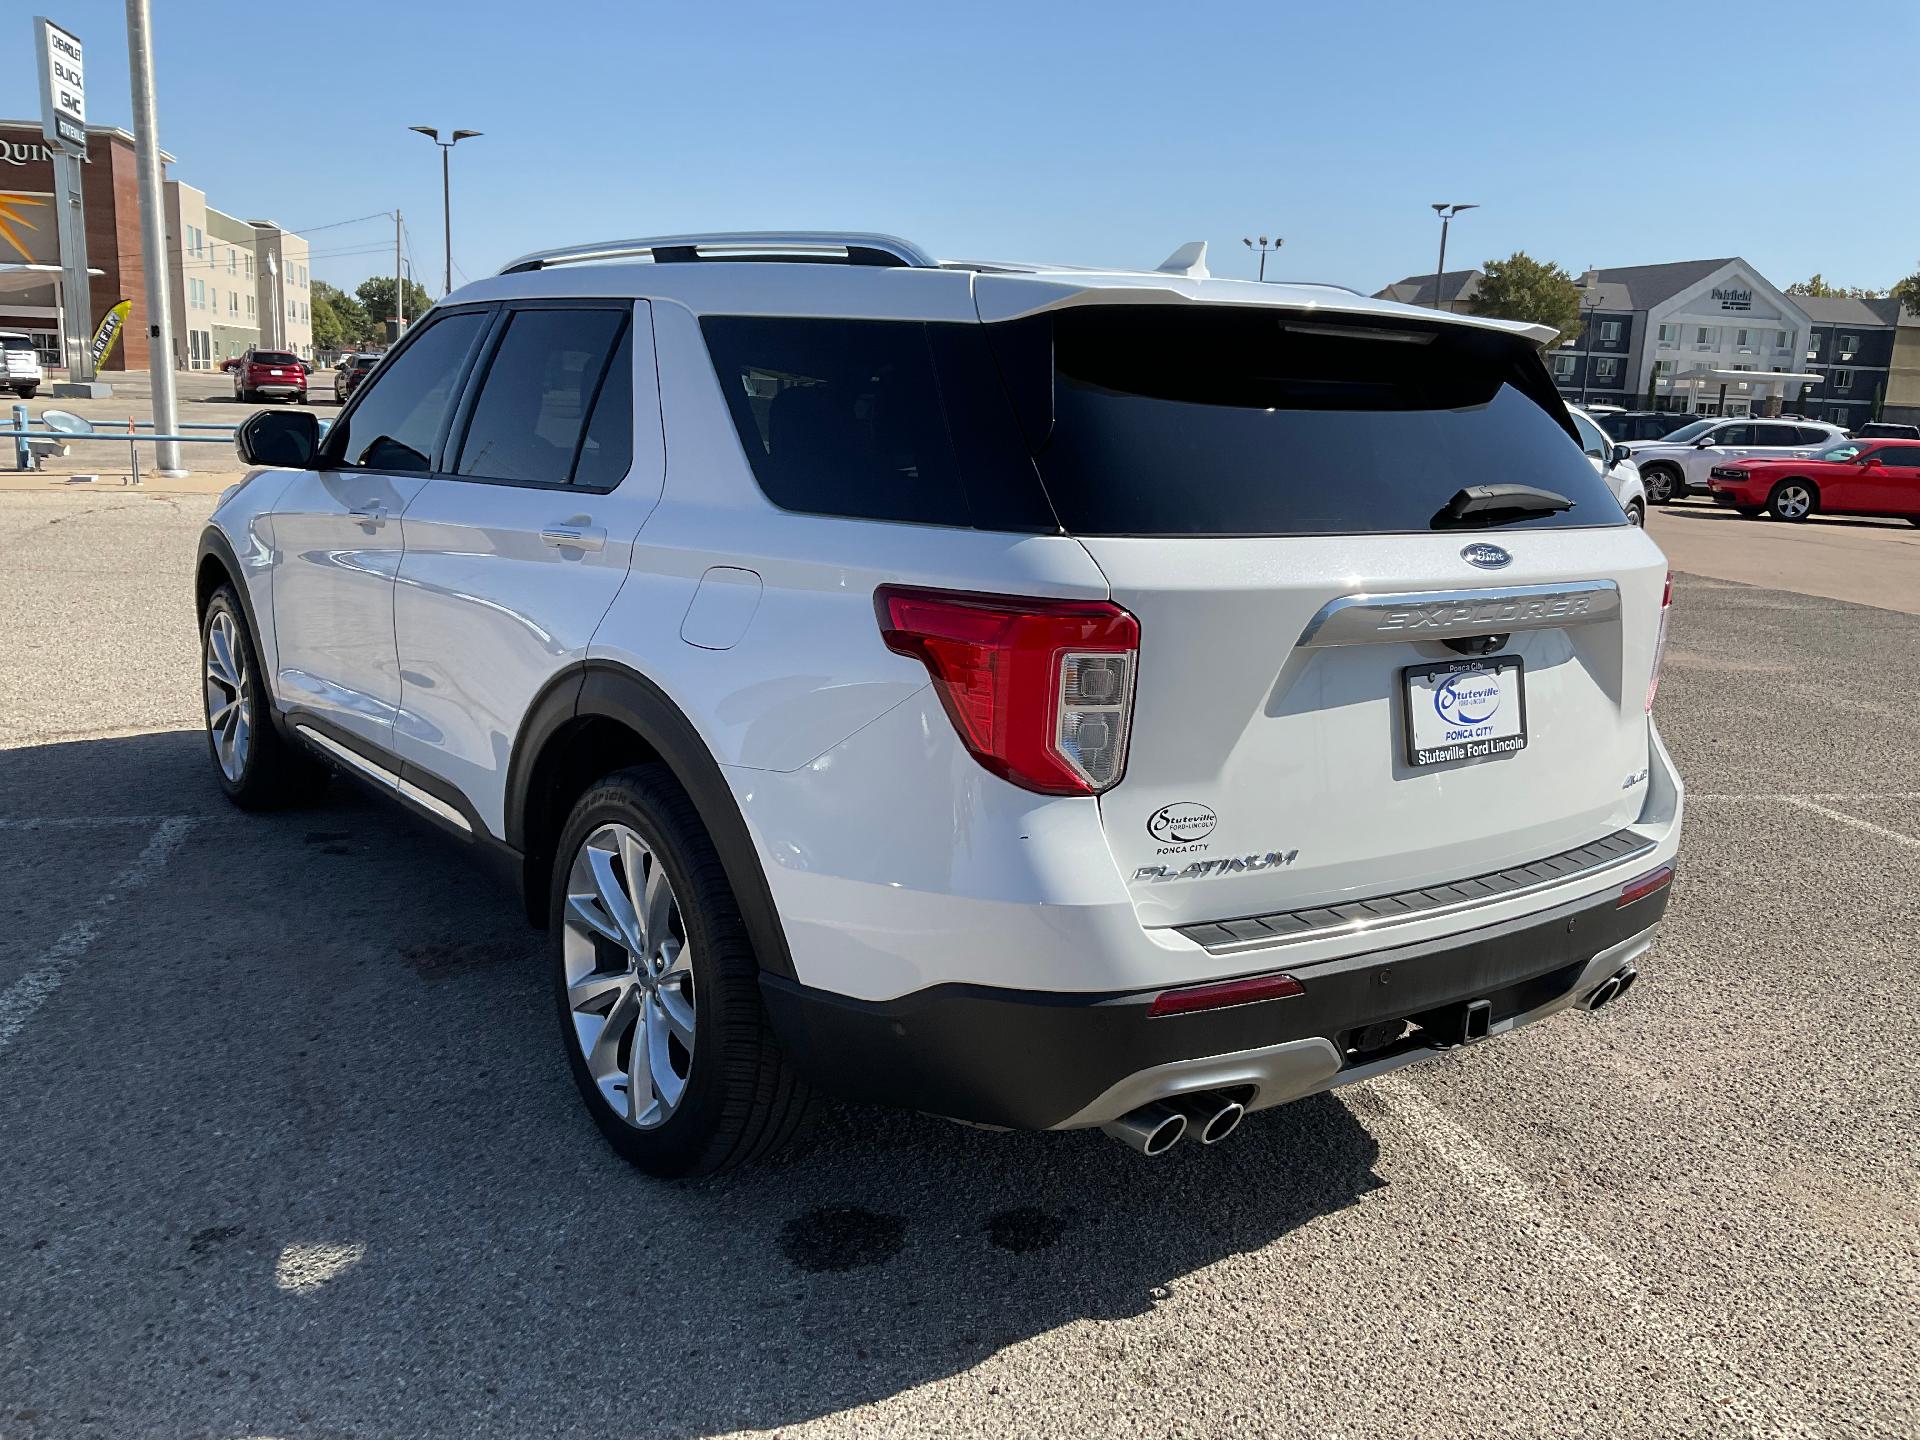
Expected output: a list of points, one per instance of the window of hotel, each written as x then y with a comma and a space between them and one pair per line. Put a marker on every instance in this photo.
1669, 334
1848, 344
1562, 366
1841, 379
1781, 340
1705, 337
1663, 367
1609, 331
1607, 368
233, 261
1742, 339
249, 267
250, 307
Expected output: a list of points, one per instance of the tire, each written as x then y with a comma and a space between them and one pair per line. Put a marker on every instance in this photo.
1793, 500
26, 392
720, 1091
1751, 512
1636, 513
257, 767
1662, 483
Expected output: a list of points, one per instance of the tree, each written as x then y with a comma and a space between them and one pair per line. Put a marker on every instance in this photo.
1907, 292
339, 321
1816, 287
1522, 288
376, 296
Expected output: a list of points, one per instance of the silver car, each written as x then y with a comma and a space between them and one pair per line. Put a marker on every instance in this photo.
1679, 464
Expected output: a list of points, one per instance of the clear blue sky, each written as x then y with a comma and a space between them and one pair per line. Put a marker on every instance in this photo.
1088, 133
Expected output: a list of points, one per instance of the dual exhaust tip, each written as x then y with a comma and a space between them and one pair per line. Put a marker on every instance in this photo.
1156, 1128
1612, 988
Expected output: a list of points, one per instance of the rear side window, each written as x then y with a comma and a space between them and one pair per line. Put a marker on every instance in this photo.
876, 419
15, 342
1811, 436
1776, 435
1196, 420
546, 373
395, 421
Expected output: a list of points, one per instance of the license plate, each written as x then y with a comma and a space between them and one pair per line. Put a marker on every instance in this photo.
274, 372
1465, 709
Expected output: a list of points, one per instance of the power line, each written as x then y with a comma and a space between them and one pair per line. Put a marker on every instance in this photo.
336, 224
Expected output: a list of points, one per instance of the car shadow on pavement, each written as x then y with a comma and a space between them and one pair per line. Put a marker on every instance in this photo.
1717, 512
353, 1189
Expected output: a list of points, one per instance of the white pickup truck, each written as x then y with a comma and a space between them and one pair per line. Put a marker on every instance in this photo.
22, 363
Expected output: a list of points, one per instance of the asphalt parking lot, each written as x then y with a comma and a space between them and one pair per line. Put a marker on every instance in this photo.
290, 1150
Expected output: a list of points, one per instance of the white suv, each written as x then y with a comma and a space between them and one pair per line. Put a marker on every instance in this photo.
1042, 697
1678, 464
20, 369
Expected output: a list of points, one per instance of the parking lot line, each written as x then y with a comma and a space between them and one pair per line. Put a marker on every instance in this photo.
1899, 837
20, 1000
69, 822
1502, 1188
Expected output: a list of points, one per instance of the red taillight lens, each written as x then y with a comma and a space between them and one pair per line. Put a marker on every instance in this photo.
1223, 994
1041, 691
1660, 642
1645, 885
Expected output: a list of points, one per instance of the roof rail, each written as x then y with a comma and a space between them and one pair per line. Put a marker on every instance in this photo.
850, 247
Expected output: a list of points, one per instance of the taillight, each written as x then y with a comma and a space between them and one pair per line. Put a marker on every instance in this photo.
1660, 642
1041, 691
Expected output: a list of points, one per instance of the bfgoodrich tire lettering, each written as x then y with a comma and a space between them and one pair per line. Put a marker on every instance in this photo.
722, 1092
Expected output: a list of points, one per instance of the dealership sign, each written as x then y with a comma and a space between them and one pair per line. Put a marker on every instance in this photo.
63, 87
21, 152
1731, 299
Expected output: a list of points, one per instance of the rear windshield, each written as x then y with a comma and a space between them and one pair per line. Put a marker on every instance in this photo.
1190, 421
273, 357
1148, 420
15, 342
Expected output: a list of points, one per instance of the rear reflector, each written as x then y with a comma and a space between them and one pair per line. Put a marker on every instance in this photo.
1220, 996
1646, 884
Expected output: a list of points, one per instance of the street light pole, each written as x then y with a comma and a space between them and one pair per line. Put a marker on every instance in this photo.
446, 186
1446, 213
1265, 247
1586, 370
153, 234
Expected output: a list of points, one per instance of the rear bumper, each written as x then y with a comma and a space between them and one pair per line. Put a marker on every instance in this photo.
1033, 1060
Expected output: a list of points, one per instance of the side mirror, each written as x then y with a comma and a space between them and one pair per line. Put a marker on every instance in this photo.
1620, 454
1704, 441
287, 439
1872, 460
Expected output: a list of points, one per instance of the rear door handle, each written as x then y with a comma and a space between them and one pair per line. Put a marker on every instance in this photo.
371, 515
575, 537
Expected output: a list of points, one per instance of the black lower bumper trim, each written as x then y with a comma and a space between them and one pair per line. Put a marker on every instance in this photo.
1031, 1060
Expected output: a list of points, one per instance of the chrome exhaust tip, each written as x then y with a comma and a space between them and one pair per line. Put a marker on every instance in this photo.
1152, 1129
1626, 978
1211, 1117
1604, 994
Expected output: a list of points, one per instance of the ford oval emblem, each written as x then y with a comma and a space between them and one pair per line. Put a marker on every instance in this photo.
1487, 557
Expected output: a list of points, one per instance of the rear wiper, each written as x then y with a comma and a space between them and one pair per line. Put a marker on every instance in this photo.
1497, 505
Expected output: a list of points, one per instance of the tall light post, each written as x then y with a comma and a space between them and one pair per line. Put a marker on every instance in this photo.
1592, 334
1446, 213
446, 194
1265, 247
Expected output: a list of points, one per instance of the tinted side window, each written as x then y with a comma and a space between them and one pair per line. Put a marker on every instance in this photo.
1810, 436
848, 417
531, 413
1591, 440
396, 423
1733, 435
606, 453
1900, 457
1776, 435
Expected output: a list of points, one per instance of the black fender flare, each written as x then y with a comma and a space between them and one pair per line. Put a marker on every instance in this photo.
614, 692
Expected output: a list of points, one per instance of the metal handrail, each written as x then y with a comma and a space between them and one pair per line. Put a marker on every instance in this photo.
792, 242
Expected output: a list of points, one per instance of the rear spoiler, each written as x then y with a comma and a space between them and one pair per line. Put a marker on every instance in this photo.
1015, 297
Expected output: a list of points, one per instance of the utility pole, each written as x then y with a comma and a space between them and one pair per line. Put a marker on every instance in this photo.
1446, 213
399, 284
153, 235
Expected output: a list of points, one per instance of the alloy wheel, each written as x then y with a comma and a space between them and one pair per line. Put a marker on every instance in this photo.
229, 696
629, 973
1792, 502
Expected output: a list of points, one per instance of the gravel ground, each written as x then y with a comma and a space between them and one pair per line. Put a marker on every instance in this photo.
313, 1167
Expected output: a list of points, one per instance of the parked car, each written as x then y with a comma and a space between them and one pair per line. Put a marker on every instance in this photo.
1614, 463
1678, 465
348, 375
270, 375
21, 358
1629, 425
1853, 477
1885, 430
1043, 697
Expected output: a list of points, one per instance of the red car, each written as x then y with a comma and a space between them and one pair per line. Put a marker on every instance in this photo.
270, 374
1853, 477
